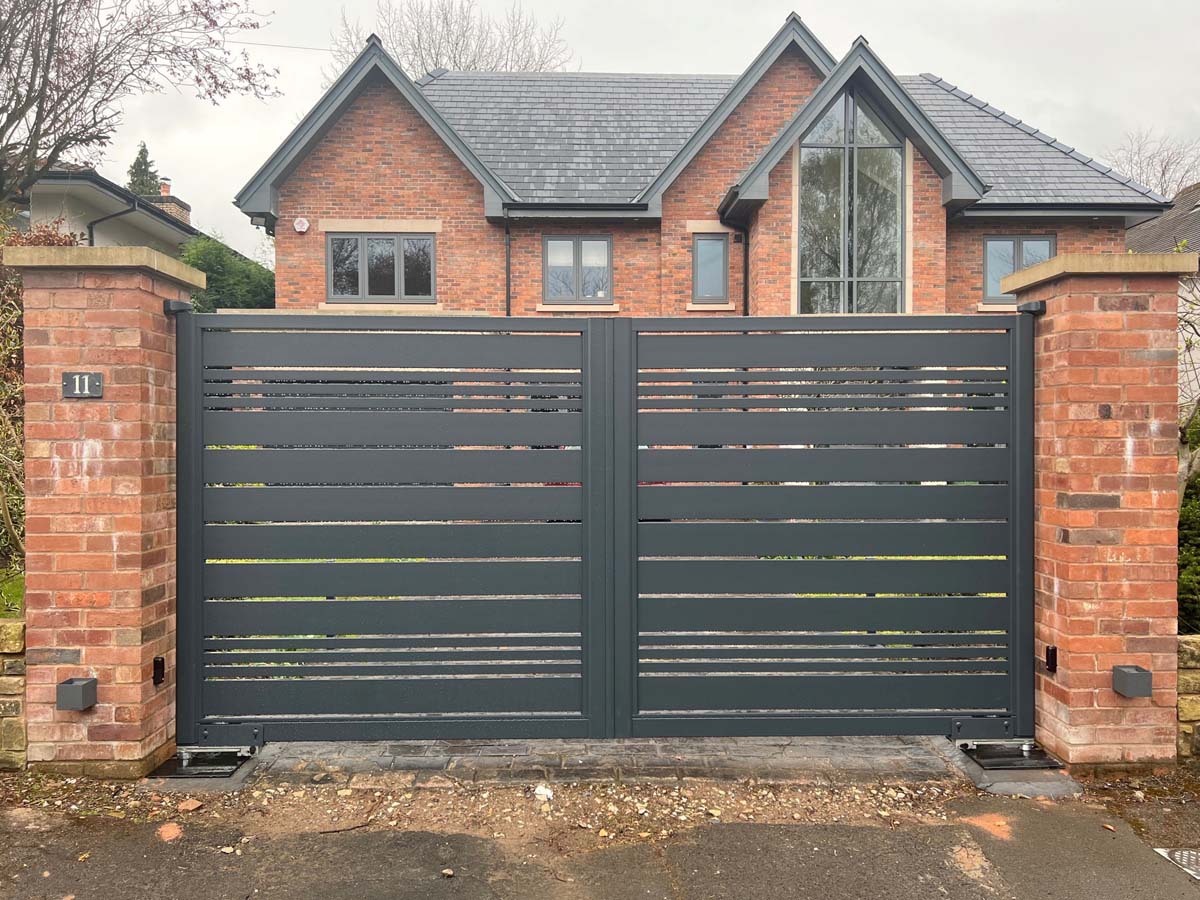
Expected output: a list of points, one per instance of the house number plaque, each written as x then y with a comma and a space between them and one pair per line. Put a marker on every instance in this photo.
82, 385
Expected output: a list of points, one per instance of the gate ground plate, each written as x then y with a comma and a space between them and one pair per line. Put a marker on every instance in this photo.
201, 764
1010, 756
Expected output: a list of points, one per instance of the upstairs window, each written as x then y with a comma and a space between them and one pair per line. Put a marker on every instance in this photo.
1005, 255
381, 268
851, 212
577, 270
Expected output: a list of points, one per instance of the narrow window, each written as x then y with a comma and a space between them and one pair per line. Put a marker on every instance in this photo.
710, 268
1004, 255
851, 234
381, 268
577, 270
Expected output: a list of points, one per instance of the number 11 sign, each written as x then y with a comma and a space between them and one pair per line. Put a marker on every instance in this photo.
82, 385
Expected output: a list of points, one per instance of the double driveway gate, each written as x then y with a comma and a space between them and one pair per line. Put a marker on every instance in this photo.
455, 527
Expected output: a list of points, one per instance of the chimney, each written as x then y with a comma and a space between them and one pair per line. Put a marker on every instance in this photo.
169, 203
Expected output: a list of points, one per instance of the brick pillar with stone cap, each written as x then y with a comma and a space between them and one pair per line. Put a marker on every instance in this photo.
1106, 510
100, 503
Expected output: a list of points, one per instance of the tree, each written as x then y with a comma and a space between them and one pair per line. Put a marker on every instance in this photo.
1163, 163
143, 177
423, 35
234, 282
12, 390
66, 66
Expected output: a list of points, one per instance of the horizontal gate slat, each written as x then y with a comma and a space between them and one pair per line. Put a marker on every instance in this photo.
908, 666
364, 466
416, 617
860, 635
369, 390
842, 464
852, 655
817, 576
389, 655
340, 348
823, 539
897, 322
800, 386
399, 579
824, 502
441, 643
389, 404
819, 692
391, 377
390, 504
388, 428
708, 375
822, 613
706, 351
392, 541
978, 427
796, 403
260, 673
371, 696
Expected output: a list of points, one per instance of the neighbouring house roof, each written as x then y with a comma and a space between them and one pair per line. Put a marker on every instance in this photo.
573, 143
1178, 224
110, 197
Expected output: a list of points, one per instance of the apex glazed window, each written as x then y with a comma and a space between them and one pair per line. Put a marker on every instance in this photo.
851, 212
381, 268
577, 270
1005, 255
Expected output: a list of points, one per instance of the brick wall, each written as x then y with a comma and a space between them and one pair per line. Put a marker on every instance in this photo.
1189, 696
964, 249
12, 694
927, 238
100, 503
1105, 536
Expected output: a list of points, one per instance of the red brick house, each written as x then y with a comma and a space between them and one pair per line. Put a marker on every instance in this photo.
806, 184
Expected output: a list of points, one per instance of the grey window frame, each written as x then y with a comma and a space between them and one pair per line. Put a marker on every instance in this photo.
849, 146
397, 239
1018, 241
710, 236
577, 264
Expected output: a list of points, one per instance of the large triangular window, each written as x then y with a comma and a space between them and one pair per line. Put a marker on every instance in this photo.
851, 212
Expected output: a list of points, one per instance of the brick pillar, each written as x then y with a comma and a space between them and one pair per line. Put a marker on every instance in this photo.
100, 503
1106, 499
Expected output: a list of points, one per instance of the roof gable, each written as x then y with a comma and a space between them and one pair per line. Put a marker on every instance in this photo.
863, 69
260, 195
794, 33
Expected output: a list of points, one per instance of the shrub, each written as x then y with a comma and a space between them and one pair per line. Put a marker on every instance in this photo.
234, 282
1189, 559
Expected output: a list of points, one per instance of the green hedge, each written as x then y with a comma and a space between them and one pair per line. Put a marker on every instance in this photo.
1189, 559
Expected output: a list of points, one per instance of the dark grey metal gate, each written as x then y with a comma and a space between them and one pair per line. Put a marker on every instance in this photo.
449, 527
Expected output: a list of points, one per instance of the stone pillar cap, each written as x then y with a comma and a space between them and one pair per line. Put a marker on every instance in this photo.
143, 258
1069, 264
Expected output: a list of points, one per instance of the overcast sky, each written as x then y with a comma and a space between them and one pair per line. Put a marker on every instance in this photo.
1085, 72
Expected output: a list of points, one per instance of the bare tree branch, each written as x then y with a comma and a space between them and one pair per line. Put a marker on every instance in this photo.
423, 35
67, 65
1162, 162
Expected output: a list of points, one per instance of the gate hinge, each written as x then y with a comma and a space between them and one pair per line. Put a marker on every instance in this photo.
1033, 307
222, 734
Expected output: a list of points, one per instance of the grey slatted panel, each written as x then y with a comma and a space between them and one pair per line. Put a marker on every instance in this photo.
815, 576
821, 692
387, 428
369, 696
371, 466
384, 385
841, 464
714, 378
416, 617
706, 351
331, 348
383, 404
917, 427
822, 613
458, 540
964, 501
805, 384
390, 504
822, 539
411, 579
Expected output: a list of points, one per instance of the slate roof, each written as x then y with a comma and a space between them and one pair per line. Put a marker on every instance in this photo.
571, 137
1180, 223
602, 138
